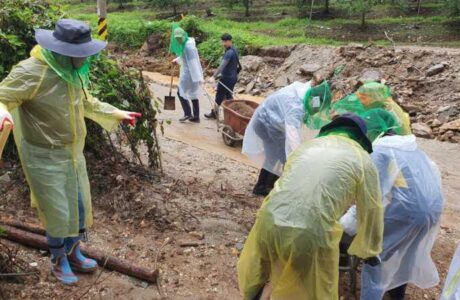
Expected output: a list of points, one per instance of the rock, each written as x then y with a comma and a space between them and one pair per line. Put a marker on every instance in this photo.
309, 69
446, 113
239, 246
453, 126
370, 75
436, 69
422, 130
250, 87
197, 234
446, 136
436, 123
412, 109
240, 90
251, 63
5, 178
255, 92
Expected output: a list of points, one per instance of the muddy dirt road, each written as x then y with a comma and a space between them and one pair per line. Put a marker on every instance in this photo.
205, 198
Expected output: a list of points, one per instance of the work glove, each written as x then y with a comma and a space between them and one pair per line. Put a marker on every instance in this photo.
128, 117
5, 117
373, 261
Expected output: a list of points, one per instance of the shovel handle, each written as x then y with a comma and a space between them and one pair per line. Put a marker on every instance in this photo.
4, 136
171, 83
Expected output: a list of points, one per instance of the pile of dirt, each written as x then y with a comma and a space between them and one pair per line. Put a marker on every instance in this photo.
242, 108
424, 81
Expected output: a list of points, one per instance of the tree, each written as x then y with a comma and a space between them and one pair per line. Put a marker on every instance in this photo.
453, 7
171, 4
246, 3
361, 7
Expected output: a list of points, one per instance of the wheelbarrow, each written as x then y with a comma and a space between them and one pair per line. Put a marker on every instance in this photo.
234, 124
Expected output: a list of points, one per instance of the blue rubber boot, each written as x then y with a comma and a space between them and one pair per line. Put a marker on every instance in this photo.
61, 267
78, 262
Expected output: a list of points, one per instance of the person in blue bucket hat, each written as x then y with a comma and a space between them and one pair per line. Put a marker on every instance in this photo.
46, 98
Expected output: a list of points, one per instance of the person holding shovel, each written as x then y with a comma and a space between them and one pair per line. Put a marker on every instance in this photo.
48, 99
226, 74
191, 73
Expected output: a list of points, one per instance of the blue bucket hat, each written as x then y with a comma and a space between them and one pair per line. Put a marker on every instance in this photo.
351, 120
70, 38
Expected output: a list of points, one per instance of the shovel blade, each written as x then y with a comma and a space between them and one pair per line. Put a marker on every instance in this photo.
170, 103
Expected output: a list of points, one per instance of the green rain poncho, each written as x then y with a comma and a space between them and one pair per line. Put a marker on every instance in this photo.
373, 95
294, 242
49, 108
178, 41
379, 122
317, 103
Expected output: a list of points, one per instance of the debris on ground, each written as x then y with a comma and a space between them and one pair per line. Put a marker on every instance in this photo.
424, 81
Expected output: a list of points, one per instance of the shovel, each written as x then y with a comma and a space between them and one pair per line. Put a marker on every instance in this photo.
170, 101
4, 136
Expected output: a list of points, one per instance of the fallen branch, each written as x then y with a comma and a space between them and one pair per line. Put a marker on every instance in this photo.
34, 240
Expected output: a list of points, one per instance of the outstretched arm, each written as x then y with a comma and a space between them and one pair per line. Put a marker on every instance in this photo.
107, 115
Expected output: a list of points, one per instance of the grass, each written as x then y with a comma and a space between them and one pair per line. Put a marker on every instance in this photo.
130, 27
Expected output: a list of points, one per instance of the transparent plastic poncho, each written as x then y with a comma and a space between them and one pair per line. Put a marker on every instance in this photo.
191, 73
413, 200
275, 128
451, 289
50, 132
294, 242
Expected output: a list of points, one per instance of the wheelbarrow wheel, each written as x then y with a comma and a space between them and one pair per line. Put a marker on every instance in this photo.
228, 135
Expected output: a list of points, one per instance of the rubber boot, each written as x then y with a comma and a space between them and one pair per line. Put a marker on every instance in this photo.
185, 107
211, 115
78, 262
196, 111
60, 266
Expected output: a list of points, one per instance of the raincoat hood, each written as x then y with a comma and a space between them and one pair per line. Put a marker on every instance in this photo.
400, 142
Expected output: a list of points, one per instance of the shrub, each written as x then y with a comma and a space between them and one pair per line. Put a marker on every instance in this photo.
18, 19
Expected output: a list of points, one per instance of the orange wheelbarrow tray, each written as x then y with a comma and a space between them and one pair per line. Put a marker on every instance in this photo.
234, 124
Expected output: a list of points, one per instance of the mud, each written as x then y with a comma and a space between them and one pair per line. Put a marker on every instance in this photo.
242, 108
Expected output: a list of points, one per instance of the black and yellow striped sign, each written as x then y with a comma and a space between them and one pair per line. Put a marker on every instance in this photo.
102, 28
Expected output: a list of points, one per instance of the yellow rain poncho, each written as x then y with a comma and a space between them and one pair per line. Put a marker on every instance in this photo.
50, 132
294, 243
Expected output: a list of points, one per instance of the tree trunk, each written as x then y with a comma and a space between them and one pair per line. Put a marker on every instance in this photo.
175, 10
34, 240
363, 19
326, 6
246, 5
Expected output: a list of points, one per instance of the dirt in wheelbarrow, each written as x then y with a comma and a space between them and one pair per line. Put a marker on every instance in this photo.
242, 108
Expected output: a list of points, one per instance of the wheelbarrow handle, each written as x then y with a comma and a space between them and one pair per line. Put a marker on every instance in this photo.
227, 88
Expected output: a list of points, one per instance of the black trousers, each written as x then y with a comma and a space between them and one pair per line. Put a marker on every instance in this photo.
265, 183
398, 293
